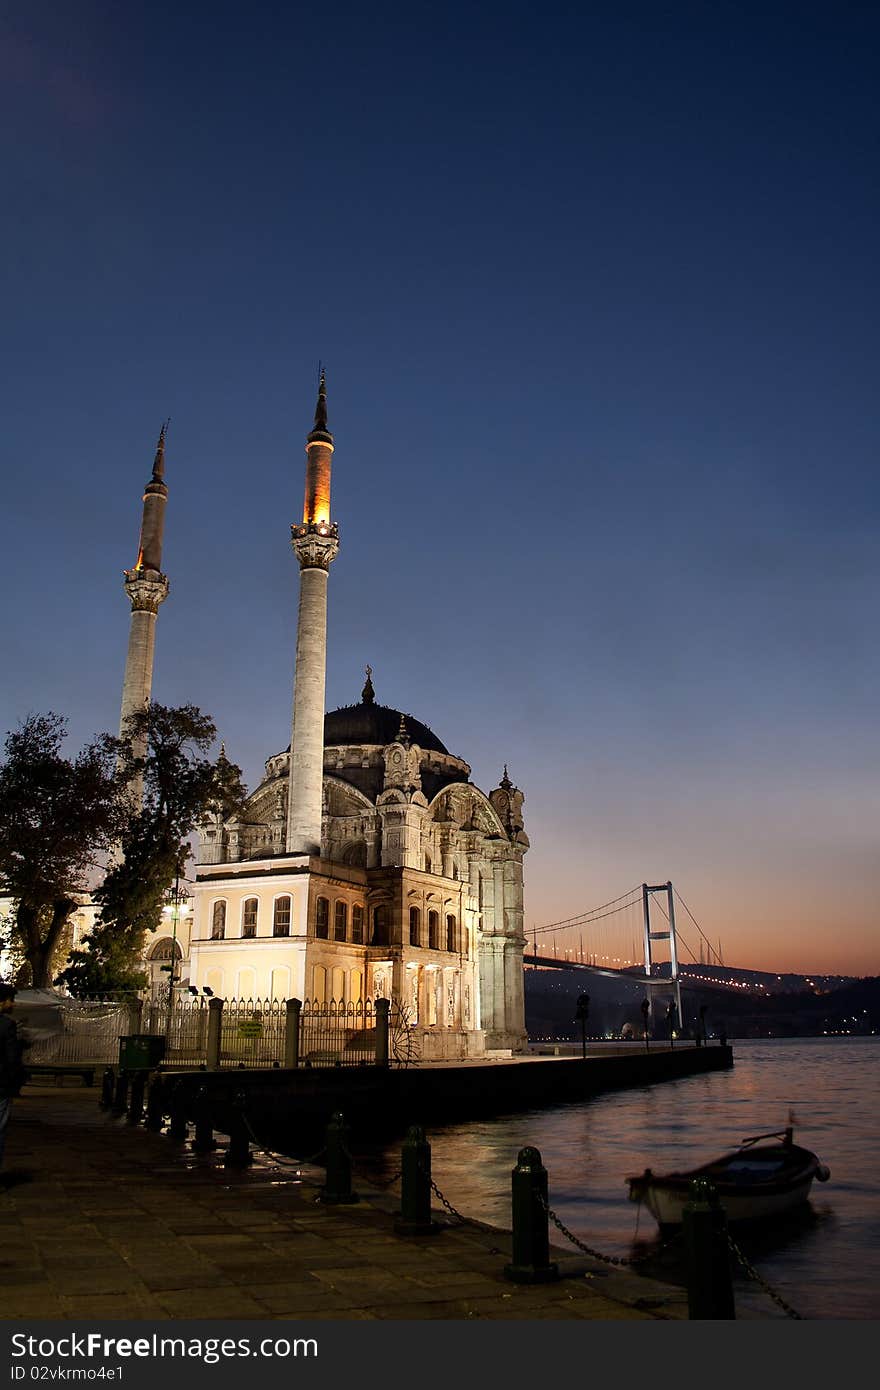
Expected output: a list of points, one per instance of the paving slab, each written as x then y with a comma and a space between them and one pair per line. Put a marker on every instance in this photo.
103, 1219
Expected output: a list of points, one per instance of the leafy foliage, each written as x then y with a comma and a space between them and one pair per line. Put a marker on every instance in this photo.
180, 787
57, 815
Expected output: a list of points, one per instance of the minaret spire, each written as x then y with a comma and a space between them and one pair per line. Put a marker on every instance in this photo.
315, 544
159, 460
146, 587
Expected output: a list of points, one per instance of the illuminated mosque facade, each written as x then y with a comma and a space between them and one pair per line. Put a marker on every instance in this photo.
365, 864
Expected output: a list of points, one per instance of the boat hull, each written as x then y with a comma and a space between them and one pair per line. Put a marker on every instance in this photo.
751, 1184
666, 1203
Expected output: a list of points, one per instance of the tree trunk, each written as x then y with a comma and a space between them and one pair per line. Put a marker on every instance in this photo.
39, 949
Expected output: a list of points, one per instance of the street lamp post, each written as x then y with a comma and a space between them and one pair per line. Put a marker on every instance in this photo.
174, 910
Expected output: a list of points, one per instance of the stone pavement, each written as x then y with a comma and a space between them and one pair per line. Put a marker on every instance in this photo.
107, 1220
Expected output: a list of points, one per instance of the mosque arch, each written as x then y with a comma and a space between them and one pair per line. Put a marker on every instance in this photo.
483, 815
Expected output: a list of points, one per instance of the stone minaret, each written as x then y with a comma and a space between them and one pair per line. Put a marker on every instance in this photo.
315, 544
146, 587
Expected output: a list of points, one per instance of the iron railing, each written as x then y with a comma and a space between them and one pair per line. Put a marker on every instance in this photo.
253, 1032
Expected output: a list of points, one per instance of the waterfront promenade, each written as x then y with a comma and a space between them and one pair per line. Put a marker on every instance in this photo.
107, 1220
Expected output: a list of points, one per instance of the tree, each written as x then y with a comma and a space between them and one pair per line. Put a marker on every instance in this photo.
180, 787
57, 817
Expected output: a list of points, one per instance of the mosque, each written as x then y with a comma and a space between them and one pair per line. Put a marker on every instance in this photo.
366, 863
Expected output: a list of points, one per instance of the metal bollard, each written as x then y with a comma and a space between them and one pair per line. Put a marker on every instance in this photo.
120, 1094
203, 1141
531, 1263
337, 1185
155, 1104
177, 1123
107, 1084
136, 1098
414, 1217
238, 1154
707, 1254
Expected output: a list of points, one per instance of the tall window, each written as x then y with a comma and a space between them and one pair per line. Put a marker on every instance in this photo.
218, 922
249, 917
322, 917
450, 932
281, 919
380, 926
340, 920
415, 927
357, 924
434, 931
465, 941
427, 863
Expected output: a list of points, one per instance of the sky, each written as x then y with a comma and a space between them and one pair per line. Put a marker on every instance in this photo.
596, 290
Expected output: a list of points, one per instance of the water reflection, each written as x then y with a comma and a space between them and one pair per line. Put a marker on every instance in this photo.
825, 1260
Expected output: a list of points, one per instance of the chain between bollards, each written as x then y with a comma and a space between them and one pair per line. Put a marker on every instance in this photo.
623, 1261
758, 1279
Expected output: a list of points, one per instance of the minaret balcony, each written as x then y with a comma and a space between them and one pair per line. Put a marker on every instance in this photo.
315, 528
315, 544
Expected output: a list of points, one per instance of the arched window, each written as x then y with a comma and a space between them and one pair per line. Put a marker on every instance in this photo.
357, 924
218, 922
454, 869
322, 918
427, 863
380, 926
434, 931
281, 919
249, 917
450, 932
340, 924
415, 927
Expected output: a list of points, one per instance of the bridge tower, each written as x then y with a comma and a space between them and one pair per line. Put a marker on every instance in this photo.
659, 982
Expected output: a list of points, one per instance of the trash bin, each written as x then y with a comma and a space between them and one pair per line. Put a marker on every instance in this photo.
140, 1051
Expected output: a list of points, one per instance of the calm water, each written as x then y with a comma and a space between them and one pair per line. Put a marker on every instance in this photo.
825, 1262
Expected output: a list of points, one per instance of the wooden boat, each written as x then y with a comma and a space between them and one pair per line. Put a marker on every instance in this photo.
755, 1182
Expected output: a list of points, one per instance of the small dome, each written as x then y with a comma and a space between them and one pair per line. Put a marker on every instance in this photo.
377, 724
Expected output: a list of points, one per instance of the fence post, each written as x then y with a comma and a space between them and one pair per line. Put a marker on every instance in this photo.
238, 1154
107, 1083
531, 1262
155, 1104
707, 1254
136, 1097
203, 1141
337, 1185
293, 1013
383, 1008
414, 1218
215, 1028
134, 1010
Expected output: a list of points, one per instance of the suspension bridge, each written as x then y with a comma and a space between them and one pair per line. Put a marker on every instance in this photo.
637, 935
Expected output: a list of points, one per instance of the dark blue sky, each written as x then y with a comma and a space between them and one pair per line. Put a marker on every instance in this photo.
596, 290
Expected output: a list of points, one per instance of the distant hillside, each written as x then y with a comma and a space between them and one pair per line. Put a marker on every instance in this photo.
551, 997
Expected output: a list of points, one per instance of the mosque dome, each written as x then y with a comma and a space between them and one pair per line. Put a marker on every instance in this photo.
369, 723
376, 724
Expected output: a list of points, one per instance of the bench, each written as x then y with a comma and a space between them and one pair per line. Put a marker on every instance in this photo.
59, 1070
